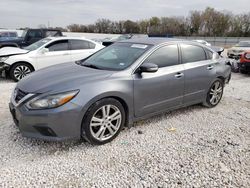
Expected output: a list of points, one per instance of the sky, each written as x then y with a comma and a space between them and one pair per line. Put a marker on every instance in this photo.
32, 13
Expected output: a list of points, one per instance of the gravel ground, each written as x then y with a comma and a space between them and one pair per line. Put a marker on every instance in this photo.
204, 148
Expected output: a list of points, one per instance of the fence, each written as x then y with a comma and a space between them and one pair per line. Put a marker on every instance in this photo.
218, 41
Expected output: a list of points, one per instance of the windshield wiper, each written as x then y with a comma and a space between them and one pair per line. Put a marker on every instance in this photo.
90, 66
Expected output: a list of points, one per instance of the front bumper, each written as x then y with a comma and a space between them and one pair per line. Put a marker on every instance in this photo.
58, 124
234, 55
4, 68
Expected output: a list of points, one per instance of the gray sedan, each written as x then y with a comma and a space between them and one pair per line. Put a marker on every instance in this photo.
128, 81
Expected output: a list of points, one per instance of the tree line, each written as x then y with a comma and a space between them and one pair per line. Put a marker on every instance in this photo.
208, 22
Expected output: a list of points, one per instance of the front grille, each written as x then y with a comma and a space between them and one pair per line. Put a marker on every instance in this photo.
19, 95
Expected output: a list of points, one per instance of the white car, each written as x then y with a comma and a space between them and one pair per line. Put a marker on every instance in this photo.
236, 51
49, 51
203, 42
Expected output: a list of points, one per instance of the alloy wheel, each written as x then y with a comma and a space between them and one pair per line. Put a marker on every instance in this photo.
21, 71
215, 93
105, 122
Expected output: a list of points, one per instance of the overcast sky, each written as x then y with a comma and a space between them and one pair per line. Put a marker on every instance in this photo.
31, 13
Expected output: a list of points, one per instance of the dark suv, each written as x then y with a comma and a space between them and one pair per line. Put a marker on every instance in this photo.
29, 36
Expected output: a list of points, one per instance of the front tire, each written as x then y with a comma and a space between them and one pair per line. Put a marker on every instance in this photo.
103, 121
214, 94
20, 70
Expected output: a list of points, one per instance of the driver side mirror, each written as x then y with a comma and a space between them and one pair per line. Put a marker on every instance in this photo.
148, 67
44, 50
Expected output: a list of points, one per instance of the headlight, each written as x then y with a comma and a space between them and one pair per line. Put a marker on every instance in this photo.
3, 59
51, 101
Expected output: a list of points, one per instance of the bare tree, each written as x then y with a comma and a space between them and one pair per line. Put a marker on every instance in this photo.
195, 22
209, 22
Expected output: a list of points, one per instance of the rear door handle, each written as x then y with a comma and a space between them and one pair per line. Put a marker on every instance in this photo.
179, 75
210, 67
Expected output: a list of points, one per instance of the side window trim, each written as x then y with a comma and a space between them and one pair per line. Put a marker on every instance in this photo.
179, 54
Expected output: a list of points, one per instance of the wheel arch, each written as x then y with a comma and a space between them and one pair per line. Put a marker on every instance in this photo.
222, 78
125, 106
124, 103
26, 62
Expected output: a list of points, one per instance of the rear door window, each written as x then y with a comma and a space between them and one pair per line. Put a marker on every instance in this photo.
81, 45
192, 53
164, 56
209, 54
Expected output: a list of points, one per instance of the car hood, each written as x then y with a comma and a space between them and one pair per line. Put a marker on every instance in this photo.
9, 51
62, 77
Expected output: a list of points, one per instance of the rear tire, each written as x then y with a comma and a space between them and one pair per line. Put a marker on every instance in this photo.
20, 70
214, 94
103, 121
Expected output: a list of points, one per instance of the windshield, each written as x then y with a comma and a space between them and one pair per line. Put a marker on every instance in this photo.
243, 44
37, 44
118, 56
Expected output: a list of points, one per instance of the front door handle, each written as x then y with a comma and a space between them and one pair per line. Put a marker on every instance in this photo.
210, 67
179, 75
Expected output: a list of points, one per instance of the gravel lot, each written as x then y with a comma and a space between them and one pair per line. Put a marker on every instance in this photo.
205, 148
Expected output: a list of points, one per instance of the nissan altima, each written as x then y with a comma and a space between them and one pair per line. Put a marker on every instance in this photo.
128, 81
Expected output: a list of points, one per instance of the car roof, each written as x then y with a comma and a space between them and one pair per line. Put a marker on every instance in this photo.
155, 41
65, 37
200, 40
151, 40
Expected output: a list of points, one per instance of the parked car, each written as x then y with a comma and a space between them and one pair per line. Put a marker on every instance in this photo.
18, 63
236, 51
6, 35
125, 82
203, 42
244, 63
109, 41
28, 37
